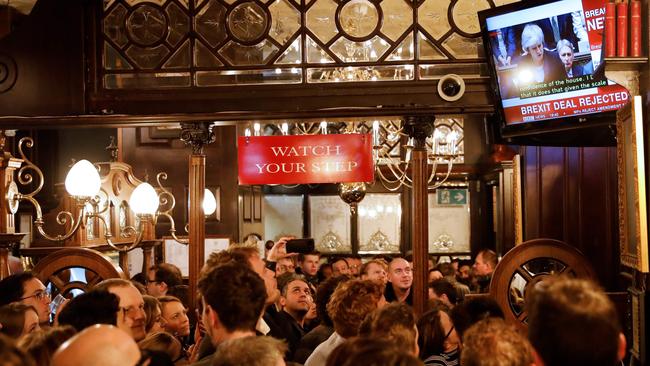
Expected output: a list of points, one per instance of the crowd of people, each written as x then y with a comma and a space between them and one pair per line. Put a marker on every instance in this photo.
288, 309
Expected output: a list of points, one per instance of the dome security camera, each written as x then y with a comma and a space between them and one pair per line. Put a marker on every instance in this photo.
451, 87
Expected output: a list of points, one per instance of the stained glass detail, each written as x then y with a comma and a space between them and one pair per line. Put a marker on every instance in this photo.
114, 27
316, 54
432, 17
429, 51
465, 15
179, 24
113, 60
358, 18
398, 17
146, 25
210, 23
203, 57
238, 54
285, 20
203, 43
461, 47
349, 51
404, 51
181, 59
247, 22
147, 58
291, 55
320, 20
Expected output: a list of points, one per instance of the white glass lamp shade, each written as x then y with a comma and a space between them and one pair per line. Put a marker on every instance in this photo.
144, 200
83, 180
209, 203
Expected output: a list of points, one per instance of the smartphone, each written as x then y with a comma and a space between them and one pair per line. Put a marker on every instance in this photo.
300, 245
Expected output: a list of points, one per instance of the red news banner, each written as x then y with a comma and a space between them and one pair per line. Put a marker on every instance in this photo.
305, 159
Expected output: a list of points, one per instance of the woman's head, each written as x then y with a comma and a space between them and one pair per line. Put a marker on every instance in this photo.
162, 342
153, 315
18, 319
174, 314
437, 334
532, 41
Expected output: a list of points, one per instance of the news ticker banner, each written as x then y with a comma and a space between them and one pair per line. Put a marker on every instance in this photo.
305, 159
608, 98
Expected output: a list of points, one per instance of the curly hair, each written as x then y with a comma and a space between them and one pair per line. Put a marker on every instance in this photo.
251, 351
42, 344
351, 302
492, 342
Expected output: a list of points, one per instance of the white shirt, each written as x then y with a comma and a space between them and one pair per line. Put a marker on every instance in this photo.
322, 352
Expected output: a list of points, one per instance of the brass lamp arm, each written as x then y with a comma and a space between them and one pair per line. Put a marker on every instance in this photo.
62, 218
172, 229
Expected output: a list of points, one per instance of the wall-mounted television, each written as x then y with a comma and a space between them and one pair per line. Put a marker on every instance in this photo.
547, 72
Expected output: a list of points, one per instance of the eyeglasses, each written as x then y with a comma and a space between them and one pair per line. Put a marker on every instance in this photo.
132, 311
148, 281
39, 295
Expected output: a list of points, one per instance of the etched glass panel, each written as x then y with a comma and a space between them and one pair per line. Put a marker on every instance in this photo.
404, 51
181, 59
147, 80
113, 60
320, 20
436, 71
429, 51
449, 221
136, 2
123, 217
444, 127
465, 14
238, 54
146, 25
114, 25
379, 223
203, 57
330, 224
316, 54
179, 24
356, 74
398, 17
147, 58
349, 51
249, 77
210, 23
285, 20
90, 224
432, 16
462, 47
358, 18
283, 216
247, 22
291, 55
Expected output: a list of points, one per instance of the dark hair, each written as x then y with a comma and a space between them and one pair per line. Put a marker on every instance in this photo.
94, 307
12, 287
12, 318
161, 342
323, 295
473, 310
321, 271
226, 256
301, 256
167, 273
443, 286
572, 322
11, 355
490, 257
140, 278
394, 322
432, 335
338, 259
447, 269
370, 351
235, 293
41, 345
286, 278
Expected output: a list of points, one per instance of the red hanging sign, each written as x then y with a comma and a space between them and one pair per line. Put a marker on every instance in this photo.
305, 159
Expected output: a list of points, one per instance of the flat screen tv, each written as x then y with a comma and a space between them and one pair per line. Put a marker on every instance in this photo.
547, 72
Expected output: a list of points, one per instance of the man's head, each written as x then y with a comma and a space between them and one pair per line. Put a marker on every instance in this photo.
355, 263
400, 274
284, 265
444, 291
309, 263
131, 317
251, 351
90, 308
233, 299
485, 262
340, 267
375, 270
174, 315
258, 266
573, 322
99, 345
493, 342
565, 50
27, 289
351, 302
296, 297
161, 277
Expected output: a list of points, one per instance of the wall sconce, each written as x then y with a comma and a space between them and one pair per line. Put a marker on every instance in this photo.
83, 183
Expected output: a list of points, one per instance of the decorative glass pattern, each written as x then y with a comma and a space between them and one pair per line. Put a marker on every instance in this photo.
330, 224
380, 220
449, 221
203, 43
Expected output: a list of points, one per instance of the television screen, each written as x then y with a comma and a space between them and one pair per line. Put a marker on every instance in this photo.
544, 58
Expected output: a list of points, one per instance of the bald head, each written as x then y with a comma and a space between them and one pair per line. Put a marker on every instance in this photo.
98, 345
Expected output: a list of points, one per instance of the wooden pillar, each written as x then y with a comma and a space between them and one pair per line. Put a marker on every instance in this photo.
419, 128
197, 135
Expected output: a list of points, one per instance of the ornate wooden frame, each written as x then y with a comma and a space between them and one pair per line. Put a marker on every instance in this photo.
630, 150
